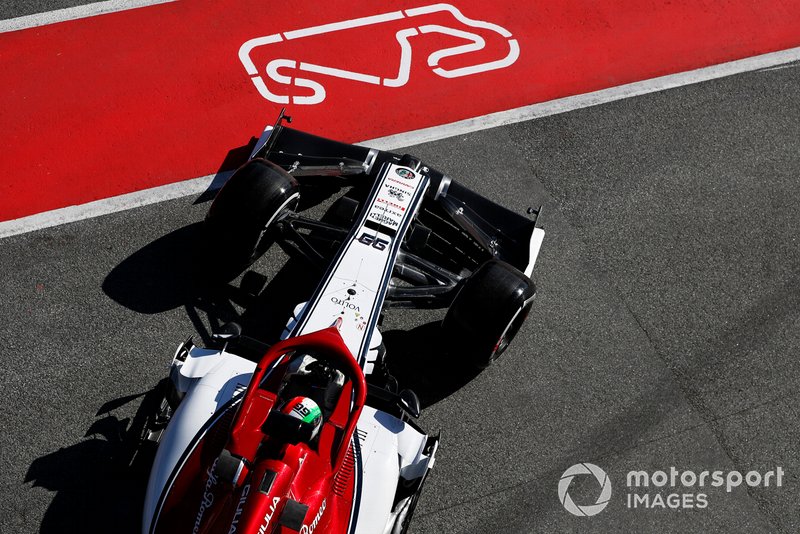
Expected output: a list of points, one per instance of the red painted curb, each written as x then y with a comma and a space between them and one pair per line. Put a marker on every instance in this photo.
111, 104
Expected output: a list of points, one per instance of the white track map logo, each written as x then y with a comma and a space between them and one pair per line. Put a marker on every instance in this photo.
283, 71
584, 469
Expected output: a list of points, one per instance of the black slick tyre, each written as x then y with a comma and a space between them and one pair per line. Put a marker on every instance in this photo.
487, 313
238, 224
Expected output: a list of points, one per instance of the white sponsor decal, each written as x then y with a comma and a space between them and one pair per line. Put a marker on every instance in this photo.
208, 497
239, 507
309, 529
268, 516
287, 72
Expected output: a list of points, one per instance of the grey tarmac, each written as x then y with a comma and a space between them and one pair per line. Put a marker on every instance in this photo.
664, 333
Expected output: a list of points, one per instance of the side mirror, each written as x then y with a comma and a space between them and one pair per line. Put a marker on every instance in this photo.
409, 402
229, 332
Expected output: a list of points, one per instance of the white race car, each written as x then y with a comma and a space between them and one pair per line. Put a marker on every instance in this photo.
312, 433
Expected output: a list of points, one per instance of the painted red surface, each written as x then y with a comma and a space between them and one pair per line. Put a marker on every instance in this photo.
121, 102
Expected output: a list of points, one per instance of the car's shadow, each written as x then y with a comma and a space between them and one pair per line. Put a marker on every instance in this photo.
421, 361
94, 489
161, 275
168, 274
164, 275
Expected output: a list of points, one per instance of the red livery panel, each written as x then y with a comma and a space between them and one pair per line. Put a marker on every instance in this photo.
277, 484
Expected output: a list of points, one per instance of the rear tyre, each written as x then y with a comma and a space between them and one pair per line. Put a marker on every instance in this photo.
239, 223
488, 312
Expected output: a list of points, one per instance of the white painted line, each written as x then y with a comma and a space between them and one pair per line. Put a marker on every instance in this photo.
405, 54
345, 24
570, 103
341, 73
73, 13
553, 107
787, 66
107, 205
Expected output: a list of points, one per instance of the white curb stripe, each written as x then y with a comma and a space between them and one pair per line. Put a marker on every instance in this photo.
552, 107
105, 206
570, 103
73, 13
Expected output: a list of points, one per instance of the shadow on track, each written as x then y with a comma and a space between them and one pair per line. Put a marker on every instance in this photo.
419, 360
167, 274
160, 276
164, 275
170, 272
95, 491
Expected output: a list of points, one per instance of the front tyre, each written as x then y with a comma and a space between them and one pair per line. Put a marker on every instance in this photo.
244, 211
487, 312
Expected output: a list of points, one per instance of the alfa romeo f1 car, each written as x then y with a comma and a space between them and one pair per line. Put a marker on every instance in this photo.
314, 435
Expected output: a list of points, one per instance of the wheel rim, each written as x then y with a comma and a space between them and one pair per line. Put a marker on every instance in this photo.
289, 203
510, 331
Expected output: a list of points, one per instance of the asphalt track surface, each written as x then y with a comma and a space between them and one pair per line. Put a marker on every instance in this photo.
665, 330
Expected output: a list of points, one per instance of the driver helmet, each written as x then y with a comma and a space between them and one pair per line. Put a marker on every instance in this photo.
307, 411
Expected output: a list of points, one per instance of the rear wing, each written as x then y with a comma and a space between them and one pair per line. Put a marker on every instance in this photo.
499, 232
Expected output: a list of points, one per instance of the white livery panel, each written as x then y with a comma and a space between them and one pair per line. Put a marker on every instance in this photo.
209, 379
389, 449
351, 295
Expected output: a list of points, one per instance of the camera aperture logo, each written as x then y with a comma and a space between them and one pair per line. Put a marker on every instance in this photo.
670, 488
588, 509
